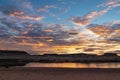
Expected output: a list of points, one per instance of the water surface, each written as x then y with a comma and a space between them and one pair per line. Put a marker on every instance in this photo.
75, 65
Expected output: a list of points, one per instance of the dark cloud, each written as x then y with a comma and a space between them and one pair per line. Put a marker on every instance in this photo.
114, 39
33, 32
8, 9
115, 26
19, 12
80, 21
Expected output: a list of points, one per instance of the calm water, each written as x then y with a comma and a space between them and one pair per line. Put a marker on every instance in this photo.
75, 65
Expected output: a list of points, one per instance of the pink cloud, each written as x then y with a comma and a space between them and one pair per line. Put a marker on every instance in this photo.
23, 15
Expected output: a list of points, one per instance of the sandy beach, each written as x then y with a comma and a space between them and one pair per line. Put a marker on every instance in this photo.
26, 73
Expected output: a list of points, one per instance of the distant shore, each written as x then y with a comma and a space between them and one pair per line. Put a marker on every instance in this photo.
37, 73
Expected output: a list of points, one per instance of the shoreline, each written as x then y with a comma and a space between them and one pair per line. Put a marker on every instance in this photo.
43, 73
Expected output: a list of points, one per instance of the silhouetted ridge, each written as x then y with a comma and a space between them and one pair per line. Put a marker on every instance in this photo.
110, 54
10, 52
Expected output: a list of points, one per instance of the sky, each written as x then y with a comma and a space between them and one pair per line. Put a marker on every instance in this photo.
60, 26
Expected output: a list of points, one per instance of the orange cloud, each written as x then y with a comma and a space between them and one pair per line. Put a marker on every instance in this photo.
31, 44
23, 15
100, 30
50, 40
48, 30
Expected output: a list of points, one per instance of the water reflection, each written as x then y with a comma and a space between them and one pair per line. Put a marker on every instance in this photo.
75, 65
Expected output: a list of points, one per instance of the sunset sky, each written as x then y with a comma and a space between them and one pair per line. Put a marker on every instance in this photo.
60, 26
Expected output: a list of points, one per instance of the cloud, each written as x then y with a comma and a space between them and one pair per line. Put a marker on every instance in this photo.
107, 32
8, 9
21, 12
32, 32
22, 30
114, 36
96, 32
23, 15
86, 19
80, 21
101, 30
111, 4
26, 4
53, 10
46, 8
39, 37
90, 33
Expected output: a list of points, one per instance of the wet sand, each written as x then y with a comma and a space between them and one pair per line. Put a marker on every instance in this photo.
25, 73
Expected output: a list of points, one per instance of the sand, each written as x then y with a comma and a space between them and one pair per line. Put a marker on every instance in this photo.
26, 73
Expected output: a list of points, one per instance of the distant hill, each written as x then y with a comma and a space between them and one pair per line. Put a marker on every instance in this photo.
12, 52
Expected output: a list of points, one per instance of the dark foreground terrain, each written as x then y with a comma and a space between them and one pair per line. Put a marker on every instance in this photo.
27, 73
20, 58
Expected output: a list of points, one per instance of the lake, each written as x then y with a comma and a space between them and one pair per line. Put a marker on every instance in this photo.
75, 65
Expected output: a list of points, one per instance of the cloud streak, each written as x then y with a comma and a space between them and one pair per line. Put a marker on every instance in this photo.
86, 19
23, 15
